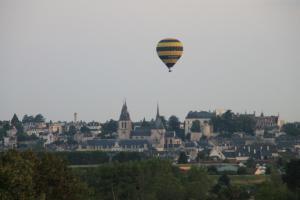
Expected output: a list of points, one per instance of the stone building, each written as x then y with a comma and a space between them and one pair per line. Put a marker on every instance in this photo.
124, 123
203, 117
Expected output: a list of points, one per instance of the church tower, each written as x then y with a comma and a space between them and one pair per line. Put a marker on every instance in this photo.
158, 133
124, 124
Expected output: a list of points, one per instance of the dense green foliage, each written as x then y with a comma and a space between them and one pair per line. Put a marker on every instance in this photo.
85, 129
32, 176
173, 124
25, 176
128, 156
109, 127
182, 158
229, 123
4, 129
33, 119
196, 126
274, 189
292, 129
151, 179
292, 176
83, 158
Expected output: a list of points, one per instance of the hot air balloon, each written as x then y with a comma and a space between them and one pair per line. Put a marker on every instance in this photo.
169, 50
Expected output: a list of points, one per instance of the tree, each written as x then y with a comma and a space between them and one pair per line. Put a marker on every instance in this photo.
198, 184
27, 176
127, 156
242, 171
274, 189
85, 129
196, 126
224, 180
15, 120
230, 122
292, 129
182, 158
27, 119
164, 121
39, 118
109, 127
292, 176
250, 163
173, 124
72, 130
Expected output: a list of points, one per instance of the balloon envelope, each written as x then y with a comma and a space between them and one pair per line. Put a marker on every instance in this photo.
169, 50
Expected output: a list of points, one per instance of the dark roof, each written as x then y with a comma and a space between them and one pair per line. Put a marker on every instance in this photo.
256, 150
229, 154
101, 142
172, 145
158, 123
124, 116
199, 115
170, 134
190, 144
141, 132
139, 143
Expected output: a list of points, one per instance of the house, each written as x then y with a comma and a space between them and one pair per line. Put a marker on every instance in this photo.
95, 127
83, 137
47, 137
172, 142
216, 154
55, 128
12, 132
256, 151
266, 122
10, 142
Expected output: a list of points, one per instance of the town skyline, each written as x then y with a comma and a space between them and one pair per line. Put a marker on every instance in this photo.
217, 110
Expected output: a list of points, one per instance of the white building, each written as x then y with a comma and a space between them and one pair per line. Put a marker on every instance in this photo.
203, 117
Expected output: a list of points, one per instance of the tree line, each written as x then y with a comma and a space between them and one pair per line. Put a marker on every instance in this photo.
32, 176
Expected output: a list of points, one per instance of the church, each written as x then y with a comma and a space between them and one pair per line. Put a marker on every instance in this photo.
137, 138
156, 133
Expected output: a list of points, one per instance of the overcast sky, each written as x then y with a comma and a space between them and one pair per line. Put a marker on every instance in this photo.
58, 57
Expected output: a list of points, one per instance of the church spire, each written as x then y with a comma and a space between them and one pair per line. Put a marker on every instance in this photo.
158, 121
157, 112
124, 116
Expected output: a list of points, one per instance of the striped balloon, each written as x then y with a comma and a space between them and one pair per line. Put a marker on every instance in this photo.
169, 51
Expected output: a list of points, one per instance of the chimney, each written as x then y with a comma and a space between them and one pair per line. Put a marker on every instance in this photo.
75, 117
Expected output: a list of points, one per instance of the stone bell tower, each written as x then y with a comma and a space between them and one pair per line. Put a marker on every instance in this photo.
124, 123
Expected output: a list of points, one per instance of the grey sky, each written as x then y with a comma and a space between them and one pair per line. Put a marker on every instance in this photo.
62, 56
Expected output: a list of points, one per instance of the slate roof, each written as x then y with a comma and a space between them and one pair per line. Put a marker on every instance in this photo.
199, 115
229, 154
145, 132
190, 144
172, 145
108, 143
257, 151
124, 116
138, 143
170, 134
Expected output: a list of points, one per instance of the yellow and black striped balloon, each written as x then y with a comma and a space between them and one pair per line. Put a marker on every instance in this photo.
169, 51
